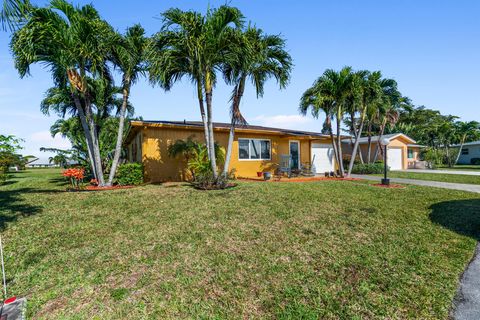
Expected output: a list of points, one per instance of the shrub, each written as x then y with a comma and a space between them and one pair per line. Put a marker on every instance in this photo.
130, 174
475, 161
3, 176
206, 181
368, 168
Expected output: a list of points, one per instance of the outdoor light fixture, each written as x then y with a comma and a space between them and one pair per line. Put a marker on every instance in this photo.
384, 142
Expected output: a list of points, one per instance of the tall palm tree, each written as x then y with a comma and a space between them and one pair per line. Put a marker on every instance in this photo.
330, 93
128, 56
195, 46
261, 57
74, 43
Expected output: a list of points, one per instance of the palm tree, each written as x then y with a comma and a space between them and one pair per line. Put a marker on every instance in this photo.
13, 13
73, 42
127, 56
260, 57
330, 94
195, 46
466, 131
59, 159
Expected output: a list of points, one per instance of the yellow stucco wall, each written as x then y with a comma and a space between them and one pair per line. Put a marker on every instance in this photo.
159, 166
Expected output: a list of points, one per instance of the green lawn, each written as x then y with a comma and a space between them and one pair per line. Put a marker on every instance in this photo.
313, 250
455, 178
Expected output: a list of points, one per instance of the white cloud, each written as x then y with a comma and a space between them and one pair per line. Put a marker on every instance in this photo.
289, 121
44, 139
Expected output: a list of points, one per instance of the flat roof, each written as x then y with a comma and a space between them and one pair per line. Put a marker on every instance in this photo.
226, 126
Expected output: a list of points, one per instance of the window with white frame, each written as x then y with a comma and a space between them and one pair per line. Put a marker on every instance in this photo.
254, 149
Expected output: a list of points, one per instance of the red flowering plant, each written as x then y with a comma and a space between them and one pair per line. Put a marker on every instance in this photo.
75, 175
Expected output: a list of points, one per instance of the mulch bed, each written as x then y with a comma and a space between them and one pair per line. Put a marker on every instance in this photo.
299, 179
390, 186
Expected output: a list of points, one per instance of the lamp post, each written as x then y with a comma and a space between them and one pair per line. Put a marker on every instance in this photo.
384, 142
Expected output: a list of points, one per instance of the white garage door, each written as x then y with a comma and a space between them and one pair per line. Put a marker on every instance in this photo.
324, 156
394, 158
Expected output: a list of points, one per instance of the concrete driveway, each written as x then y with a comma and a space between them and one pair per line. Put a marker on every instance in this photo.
465, 172
437, 184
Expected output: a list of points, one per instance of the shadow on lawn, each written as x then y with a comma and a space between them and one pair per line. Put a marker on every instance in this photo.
460, 216
13, 206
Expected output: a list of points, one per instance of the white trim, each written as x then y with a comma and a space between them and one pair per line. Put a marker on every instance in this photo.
290, 151
249, 152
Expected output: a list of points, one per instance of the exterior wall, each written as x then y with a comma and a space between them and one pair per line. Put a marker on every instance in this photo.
159, 166
416, 156
473, 152
134, 149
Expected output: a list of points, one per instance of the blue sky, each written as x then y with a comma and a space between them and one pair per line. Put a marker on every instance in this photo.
432, 49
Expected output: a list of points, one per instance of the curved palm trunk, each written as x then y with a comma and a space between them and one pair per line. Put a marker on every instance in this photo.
369, 143
121, 125
96, 147
460, 150
357, 143
378, 147
239, 89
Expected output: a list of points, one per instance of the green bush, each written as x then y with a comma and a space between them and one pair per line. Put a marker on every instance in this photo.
368, 168
130, 174
206, 181
475, 161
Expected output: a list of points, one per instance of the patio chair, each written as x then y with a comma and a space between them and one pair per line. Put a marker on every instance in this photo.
285, 165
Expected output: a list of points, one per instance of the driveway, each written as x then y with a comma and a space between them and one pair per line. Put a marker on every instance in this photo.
437, 184
465, 172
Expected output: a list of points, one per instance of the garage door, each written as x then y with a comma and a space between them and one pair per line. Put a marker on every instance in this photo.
394, 160
324, 156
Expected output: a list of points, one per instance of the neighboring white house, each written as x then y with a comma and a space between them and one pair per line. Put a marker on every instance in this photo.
469, 152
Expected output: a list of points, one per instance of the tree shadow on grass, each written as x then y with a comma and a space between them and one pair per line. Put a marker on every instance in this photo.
460, 216
13, 205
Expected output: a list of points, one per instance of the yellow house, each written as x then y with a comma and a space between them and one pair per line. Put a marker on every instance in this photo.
255, 148
402, 151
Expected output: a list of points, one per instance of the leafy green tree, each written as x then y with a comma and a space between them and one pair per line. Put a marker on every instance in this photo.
260, 57
195, 46
465, 131
13, 13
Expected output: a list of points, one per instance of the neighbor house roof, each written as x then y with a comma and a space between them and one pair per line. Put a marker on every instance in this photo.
226, 126
390, 137
473, 143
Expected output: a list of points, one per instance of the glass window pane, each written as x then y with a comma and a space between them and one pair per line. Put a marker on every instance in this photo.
265, 149
254, 149
243, 152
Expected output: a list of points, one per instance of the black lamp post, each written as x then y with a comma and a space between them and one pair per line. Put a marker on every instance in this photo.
384, 142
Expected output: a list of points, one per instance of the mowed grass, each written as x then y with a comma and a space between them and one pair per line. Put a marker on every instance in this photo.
335, 249
442, 177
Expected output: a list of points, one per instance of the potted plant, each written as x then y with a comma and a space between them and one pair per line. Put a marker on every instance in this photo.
259, 174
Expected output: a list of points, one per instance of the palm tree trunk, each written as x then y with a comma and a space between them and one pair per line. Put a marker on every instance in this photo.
86, 131
459, 150
121, 125
203, 115
369, 143
211, 141
357, 142
378, 147
339, 143
231, 136
96, 147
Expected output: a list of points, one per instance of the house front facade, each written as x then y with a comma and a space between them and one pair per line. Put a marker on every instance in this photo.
255, 148
470, 153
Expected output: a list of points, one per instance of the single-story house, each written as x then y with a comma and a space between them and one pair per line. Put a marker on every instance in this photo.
470, 151
402, 151
255, 148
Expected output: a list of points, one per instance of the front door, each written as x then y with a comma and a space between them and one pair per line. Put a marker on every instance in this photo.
295, 154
